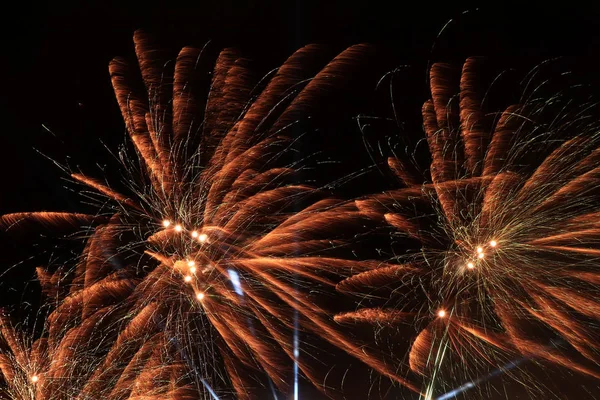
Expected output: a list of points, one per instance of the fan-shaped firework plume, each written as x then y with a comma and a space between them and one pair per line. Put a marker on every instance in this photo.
210, 254
498, 242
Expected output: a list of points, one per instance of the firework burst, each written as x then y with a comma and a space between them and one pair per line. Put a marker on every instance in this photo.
208, 272
499, 239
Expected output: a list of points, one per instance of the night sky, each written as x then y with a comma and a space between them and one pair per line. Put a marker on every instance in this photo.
55, 75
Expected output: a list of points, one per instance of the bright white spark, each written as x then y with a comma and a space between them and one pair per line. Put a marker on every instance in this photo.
235, 281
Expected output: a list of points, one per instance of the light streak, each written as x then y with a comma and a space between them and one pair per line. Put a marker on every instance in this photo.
469, 385
234, 277
296, 355
210, 389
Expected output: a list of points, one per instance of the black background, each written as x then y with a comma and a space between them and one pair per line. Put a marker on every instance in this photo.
54, 72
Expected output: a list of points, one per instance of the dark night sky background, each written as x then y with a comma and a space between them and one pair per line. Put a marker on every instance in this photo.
54, 71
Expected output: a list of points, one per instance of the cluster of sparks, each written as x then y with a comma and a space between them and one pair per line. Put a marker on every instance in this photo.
191, 264
492, 252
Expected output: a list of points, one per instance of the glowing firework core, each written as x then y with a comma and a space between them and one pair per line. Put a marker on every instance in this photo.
441, 313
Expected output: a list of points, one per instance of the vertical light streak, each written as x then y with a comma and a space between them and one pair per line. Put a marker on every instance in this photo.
296, 354
438, 362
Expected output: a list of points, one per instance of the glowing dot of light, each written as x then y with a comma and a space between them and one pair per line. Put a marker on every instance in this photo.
35, 378
441, 313
195, 234
470, 265
166, 223
191, 263
200, 295
202, 237
480, 255
187, 278
493, 243
480, 250
178, 228
193, 270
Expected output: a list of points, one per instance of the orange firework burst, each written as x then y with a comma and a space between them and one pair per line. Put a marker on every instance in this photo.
210, 255
500, 242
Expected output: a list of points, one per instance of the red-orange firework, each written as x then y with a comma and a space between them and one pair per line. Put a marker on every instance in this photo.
499, 242
216, 253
